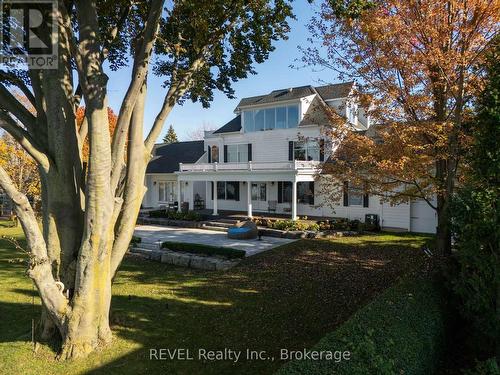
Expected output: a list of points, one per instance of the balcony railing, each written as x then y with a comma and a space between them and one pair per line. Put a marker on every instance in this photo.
250, 166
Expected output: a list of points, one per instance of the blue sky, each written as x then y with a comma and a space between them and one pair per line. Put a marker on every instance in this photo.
274, 73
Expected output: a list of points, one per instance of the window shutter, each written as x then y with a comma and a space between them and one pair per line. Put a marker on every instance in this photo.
212, 186
249, 152
225, 153
237, 191
311, 188
209, 154
346, 194
365, 200
322, 150
290, 150
280, 192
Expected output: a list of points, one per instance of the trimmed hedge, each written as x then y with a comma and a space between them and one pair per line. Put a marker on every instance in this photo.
401, 331
174, 215
204, 249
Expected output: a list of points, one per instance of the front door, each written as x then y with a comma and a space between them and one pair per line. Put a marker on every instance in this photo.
259, 196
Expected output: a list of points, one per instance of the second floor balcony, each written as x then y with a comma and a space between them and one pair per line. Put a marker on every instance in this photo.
297, 165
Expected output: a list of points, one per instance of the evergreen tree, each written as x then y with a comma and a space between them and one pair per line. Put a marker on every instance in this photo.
171, 136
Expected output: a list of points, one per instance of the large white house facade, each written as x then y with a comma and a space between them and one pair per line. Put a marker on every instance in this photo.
267, 158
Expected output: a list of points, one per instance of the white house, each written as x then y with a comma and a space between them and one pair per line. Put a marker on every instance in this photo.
266, 159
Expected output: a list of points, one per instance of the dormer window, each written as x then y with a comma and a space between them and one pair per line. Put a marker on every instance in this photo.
282, 117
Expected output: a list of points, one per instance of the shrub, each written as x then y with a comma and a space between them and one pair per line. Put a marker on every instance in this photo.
475, 218
401, 331
174, 215
489, 367
314, 227
339, 223
192, 248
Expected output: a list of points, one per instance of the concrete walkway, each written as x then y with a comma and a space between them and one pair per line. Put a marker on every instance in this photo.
152, 233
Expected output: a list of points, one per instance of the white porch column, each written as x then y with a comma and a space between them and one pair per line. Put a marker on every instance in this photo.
178, 195
214, 192
249, 198
294, 200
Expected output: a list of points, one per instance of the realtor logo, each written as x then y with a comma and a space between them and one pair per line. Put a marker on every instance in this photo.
28, 33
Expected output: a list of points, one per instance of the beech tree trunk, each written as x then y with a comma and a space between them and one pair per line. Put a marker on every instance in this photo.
89, 207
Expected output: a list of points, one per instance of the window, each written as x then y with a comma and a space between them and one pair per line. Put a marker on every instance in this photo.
228, 190
259, 191
355, 196
284, 192
281, 118
292, 116
306, 150
271, 118
237, 153
305, 192
167, 191
248, 121
215, 154
259, 116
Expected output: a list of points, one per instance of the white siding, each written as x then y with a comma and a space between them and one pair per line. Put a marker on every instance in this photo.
396, 216
271, 145
423, 218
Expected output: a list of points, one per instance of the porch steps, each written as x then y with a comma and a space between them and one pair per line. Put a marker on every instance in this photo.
227, 221
217, 224
214, 228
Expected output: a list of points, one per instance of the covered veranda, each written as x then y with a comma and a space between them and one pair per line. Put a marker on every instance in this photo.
270, 181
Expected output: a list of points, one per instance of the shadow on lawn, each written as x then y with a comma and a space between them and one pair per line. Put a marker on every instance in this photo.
288, 297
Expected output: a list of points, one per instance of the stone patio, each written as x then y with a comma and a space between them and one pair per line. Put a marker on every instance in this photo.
152, 234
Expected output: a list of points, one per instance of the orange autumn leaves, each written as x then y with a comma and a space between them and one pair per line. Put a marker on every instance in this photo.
20, 167
80, 114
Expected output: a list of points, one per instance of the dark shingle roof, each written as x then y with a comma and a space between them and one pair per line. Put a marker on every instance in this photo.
232, 126
339, 90
333, 91
168, 157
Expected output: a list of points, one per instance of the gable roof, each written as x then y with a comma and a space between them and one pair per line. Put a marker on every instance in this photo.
327, 92
232, 126
168, 156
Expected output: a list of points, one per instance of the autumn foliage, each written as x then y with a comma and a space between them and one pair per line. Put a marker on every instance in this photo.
419, 69
80, 116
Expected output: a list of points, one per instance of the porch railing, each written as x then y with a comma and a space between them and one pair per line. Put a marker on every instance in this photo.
249, 166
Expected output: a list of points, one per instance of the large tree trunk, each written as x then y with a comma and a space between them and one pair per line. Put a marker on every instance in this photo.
443, 235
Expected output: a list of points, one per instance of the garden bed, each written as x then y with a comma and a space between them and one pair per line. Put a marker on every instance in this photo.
207, 250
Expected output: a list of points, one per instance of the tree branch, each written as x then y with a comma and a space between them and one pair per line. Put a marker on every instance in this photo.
12, 105
175, 91
139, 73
19, 84
25, 140
40, 269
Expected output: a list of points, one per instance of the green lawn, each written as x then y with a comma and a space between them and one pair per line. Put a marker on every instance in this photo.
288, 297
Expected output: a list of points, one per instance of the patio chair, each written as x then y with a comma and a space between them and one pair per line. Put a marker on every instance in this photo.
271, 206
